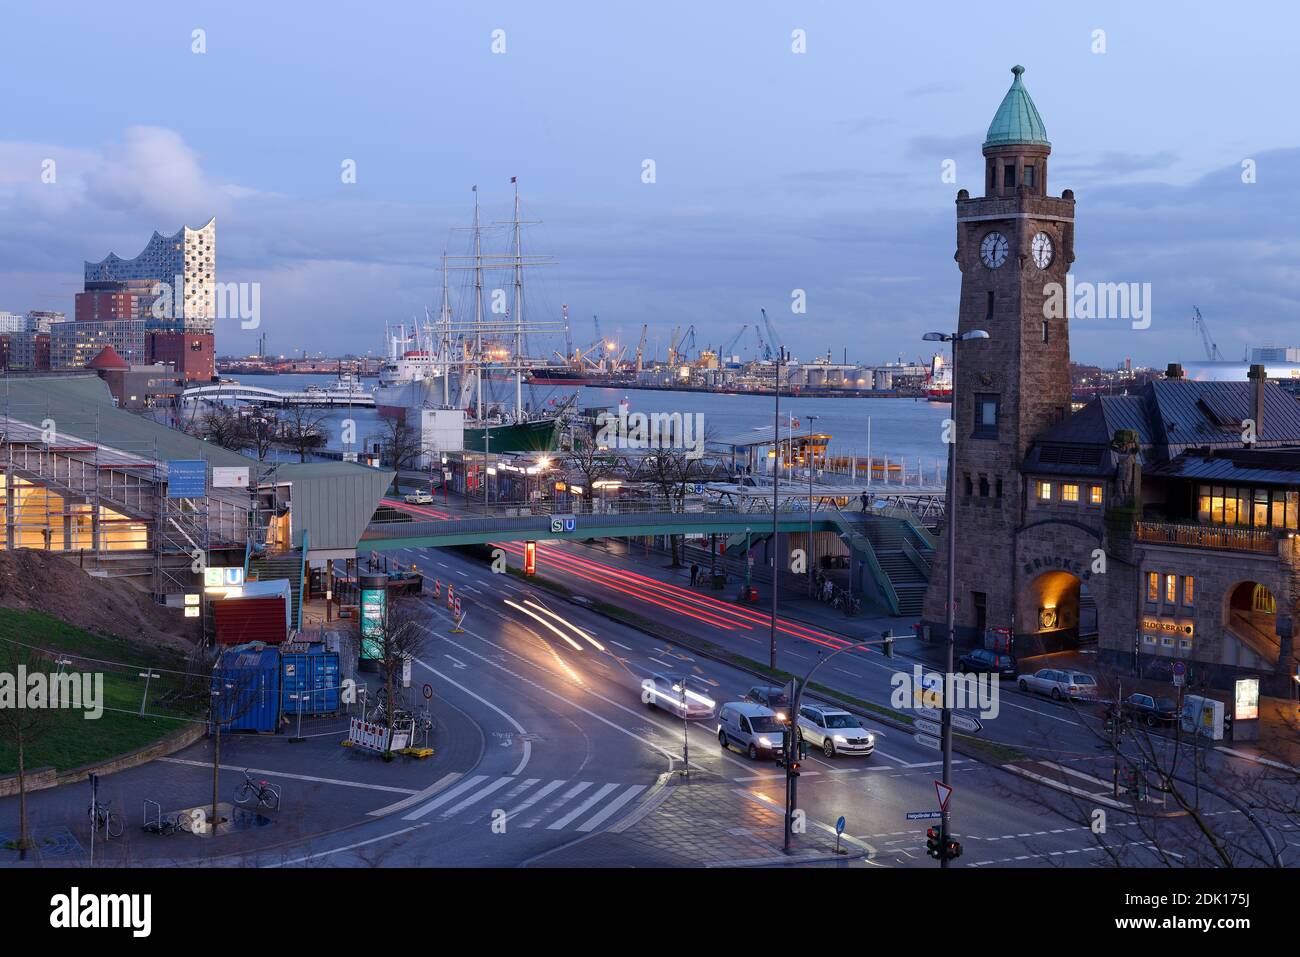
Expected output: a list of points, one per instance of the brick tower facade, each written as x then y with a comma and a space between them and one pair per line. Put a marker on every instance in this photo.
1013, 244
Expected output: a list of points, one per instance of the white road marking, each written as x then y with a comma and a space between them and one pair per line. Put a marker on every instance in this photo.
477, 796
528, 745
449, 778
535, 798
295, 777
1256, 758
560, 802
347, 847
442, 799
582, 808
620, 644
609, 809
1062, 786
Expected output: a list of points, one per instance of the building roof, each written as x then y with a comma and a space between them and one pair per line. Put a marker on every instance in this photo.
1017, 121
332, 501
1170, 416
107, 358
1277, 466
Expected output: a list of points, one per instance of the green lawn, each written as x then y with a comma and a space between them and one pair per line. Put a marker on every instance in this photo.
68, 739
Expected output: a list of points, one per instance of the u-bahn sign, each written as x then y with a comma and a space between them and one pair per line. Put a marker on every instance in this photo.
563, 523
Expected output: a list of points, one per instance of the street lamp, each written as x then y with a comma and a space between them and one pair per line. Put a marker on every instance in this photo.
951, 508
809, 455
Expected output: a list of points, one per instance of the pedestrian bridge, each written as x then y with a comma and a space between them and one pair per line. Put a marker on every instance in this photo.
237, 392
437, 533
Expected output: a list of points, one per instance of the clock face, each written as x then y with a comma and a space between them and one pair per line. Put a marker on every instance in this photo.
993, 250
1041, 248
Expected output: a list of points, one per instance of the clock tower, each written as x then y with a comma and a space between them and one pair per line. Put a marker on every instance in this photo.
1015, 245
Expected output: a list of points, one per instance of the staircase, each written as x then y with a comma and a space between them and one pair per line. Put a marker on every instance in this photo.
901, 555
287, 564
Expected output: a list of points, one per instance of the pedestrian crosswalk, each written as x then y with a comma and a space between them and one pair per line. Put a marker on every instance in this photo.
529, 802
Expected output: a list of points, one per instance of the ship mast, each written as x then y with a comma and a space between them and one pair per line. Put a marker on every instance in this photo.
445, 320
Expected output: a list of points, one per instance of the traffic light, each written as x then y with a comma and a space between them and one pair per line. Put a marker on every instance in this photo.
934, 842
888, 637
951, 849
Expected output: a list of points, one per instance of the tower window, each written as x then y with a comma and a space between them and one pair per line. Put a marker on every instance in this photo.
986, 416
1009, 175
999, 487
969, 487
1094, 495
1028, 176
988, 311
1043, 491
1069, 492
1153, 586
1046, 331
984, 486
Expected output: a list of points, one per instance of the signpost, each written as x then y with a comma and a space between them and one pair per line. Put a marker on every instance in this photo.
1180, 669
924, 815
928, 727
967, 723
839, 829
929, 740
945, 792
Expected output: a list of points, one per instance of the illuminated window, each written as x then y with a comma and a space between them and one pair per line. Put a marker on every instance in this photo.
1043, 491
1069, 492
1153, 586
1188, 589
1094, 495
1171, 588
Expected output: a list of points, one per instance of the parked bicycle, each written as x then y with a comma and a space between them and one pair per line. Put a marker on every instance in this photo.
104, 818
263, 792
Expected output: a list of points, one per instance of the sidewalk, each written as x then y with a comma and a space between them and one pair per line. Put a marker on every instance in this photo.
702, 821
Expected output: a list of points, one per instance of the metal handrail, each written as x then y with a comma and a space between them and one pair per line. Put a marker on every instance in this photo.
1219, 537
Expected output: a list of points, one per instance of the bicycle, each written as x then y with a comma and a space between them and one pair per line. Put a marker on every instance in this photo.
267, 795
104, 818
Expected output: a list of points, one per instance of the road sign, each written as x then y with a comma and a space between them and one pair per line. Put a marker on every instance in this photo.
924, 815
929, 727
839, 825
1180, 668
945, 792
933, 714
930, 741
964, 723
428, 691
563, 523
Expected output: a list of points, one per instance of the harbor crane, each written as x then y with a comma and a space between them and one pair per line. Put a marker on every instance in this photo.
680, 349
640, 346
726, 350
773, 339
1211, 347
764, 350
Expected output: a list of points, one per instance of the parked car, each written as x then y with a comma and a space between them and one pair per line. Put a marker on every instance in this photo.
666, 691
752, 728
834, 730
771, 697
983, 661
1060, 684
1150, 710
419, 498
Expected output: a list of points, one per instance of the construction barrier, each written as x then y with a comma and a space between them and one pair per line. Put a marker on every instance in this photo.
372, 737
437, 589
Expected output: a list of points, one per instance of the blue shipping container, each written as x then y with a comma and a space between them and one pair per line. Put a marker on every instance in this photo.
246, 687
309, 680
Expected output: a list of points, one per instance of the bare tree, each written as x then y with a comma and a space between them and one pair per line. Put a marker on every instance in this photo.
259, 433
303, 429
593, 464
400, 445
396, 643
22, 725
221, 426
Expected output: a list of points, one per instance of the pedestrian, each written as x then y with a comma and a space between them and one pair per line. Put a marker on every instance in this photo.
695, 573
865, 500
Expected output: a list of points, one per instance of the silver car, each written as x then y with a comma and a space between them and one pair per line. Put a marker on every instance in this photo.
834, 730
1062, 684
683, 695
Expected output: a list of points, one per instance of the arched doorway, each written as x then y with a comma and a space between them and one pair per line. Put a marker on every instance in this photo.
1049, 614
1252, 616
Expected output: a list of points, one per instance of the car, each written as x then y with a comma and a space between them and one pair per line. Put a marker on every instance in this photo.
1151, 710
665, 691
983, 661
834, 730
770, 696
419, 498
752, 728
1060, 683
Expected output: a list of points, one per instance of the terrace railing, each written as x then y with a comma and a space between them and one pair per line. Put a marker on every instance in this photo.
1261, 541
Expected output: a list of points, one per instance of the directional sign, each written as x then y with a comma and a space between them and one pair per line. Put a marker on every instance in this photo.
965, 723
945, 792
924, 815
929, 727
928, 740
839, 825
932, 713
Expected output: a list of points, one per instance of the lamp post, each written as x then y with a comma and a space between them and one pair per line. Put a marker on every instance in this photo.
951, 509
809, 450
776, 485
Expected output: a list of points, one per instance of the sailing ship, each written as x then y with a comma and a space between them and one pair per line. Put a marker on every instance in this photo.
445, 364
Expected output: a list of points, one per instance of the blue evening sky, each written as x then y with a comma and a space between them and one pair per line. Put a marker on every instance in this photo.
775, 171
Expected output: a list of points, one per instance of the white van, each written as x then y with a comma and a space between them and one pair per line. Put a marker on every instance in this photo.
752, 728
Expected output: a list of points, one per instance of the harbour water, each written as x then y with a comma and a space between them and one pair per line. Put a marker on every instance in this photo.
907, 430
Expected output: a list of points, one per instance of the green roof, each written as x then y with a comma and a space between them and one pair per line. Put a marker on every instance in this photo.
1017, 121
